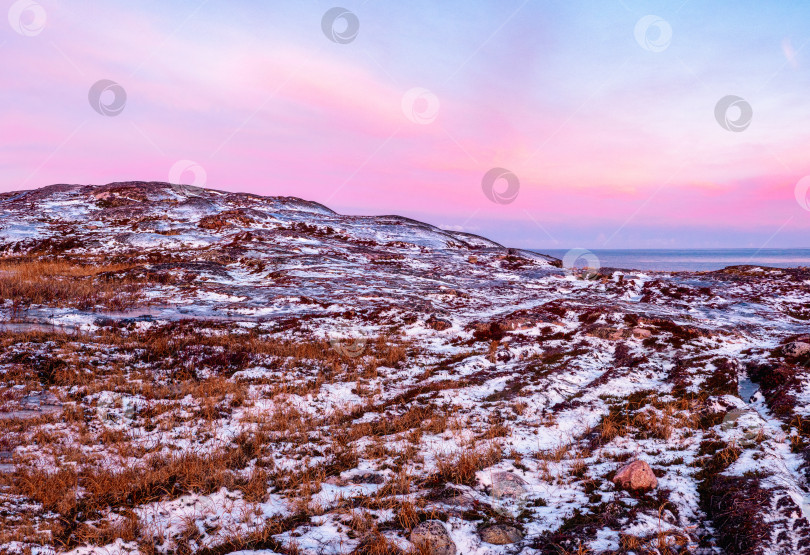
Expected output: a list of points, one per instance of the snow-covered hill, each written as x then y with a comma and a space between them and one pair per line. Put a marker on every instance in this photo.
189, 370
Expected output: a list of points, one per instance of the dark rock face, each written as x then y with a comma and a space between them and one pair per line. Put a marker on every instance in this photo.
368, 478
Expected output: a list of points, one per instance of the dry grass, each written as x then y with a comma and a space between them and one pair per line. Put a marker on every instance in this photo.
556, 454
460, 467
646, 416
407, 516
147, 365
77, 493
169, 364
374, 543
58, 283
664, 542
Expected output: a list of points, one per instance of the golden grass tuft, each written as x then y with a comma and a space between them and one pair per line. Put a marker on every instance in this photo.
31, 281
460, 467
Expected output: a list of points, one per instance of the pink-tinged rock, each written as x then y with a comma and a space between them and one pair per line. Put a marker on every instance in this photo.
636, 476
641, 333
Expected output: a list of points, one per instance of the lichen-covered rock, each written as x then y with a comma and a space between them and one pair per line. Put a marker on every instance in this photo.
500, 534
796, 349
454, 497
506, 484
432, 537
636, 476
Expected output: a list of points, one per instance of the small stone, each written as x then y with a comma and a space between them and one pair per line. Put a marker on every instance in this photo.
129, 409
40, 400
796, 349
506, 484
6, 461
641, 333
636, 476
500, 534
368, 478
432, 536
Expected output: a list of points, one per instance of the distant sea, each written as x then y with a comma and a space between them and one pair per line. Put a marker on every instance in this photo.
695, 260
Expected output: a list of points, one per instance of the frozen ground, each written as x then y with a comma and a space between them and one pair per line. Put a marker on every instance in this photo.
189, 370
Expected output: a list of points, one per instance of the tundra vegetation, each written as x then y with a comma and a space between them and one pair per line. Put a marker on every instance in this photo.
192, 371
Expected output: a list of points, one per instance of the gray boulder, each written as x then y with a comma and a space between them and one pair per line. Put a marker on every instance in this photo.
506, 484
500, 534
432, 537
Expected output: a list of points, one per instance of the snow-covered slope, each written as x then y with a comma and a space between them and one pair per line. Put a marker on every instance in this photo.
201, 370
98, 215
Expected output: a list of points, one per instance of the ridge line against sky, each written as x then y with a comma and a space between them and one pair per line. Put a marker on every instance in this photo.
628, 124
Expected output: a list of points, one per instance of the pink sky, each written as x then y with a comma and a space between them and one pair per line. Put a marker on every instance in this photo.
614, 145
